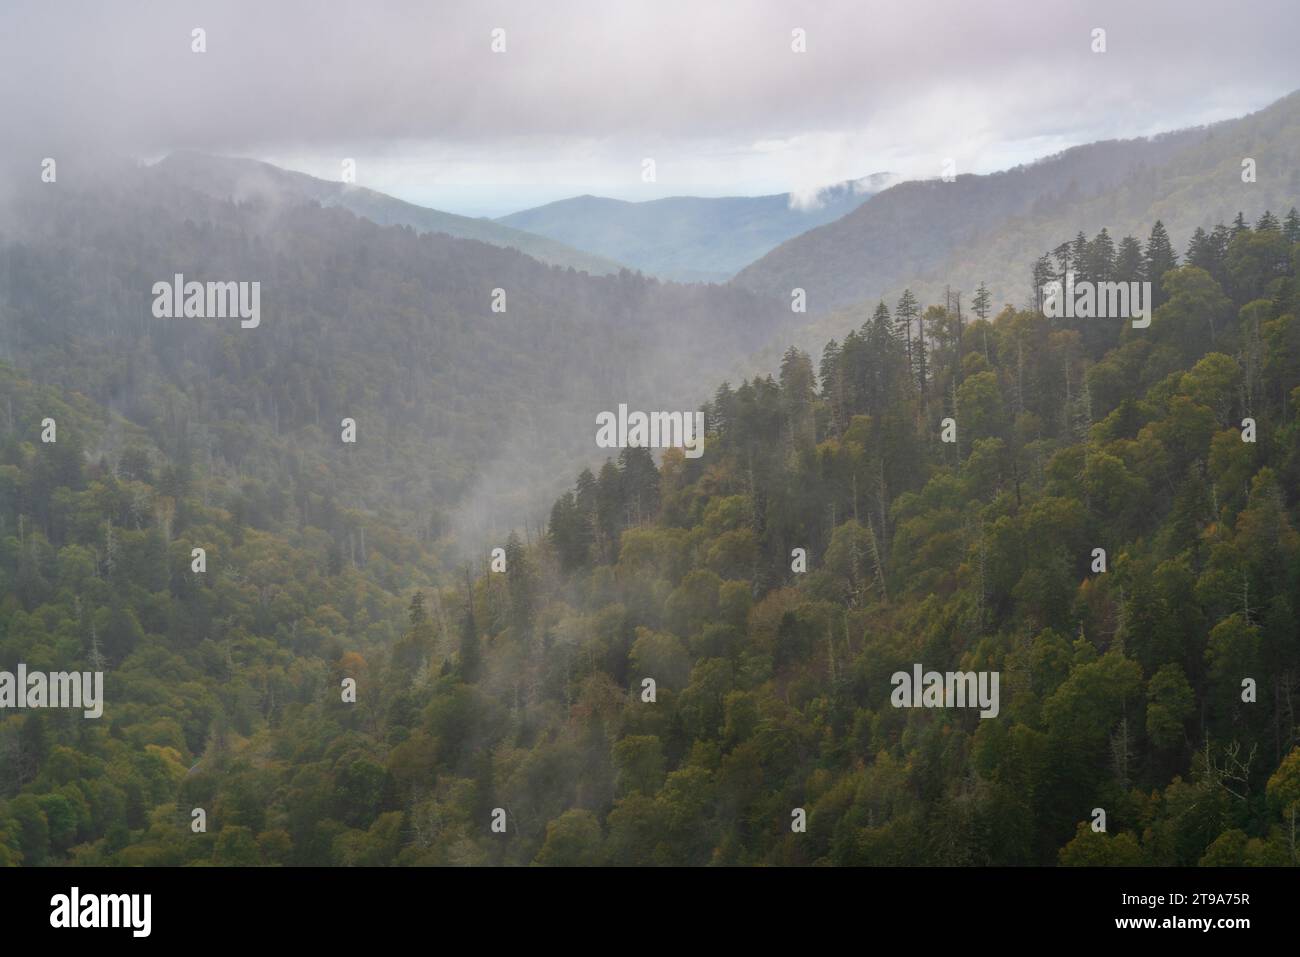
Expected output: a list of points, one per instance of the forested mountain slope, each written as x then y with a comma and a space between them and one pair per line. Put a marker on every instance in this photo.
934, 235
466, 400
244, 180
1121, 689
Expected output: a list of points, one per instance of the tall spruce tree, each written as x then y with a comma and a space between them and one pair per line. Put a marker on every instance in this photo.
1129, 265
1160, 258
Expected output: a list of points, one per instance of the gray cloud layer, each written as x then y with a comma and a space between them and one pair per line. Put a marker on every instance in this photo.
708, 83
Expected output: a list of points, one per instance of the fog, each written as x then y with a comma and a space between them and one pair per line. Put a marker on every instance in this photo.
584, 90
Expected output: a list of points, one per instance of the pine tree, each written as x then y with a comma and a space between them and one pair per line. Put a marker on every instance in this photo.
1129, 266
1064, 261
1101, 257
798, 392
416, 645
640, 484
797, 384
828, 371
922, 368
723, 403
1239, 225
905, 314
982, 301
831, 374
1042, 276
570, 531
1079, 256
1198, 249
1219, 239
880, 331
1160, 258
882, 354
1291, 226
585, 494
1267, 223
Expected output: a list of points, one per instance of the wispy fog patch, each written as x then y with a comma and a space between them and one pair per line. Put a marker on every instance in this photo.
807, 200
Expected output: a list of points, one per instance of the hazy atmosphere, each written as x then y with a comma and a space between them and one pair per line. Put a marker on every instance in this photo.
665, 435
586, 90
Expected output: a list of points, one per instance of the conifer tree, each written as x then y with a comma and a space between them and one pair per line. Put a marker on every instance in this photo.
1129, 265
1101, 257
1291, 226
905, 313
1160, 258
1042, 276
981, 302
1079, 257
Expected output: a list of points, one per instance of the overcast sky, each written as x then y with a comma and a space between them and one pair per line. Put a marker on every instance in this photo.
584, 91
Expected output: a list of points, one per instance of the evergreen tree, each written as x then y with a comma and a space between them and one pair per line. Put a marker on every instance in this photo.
1291, 226
882, 354
416, 645
905, 313
1129, 265
828, 370
570, 532
981, 302
723, 408
640, 484
1198, 249
798, 385
1042, 275
1160, 258
585, 495
1079, 256
920, 352
1220, 237
1101, 257
609, 509
1064, 262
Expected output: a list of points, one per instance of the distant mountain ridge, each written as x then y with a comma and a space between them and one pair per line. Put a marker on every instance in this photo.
229, 177
690, 238
931, 234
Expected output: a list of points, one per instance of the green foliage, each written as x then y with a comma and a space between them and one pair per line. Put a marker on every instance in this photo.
1122, 689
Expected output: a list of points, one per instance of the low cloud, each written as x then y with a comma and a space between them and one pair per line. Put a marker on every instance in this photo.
713, 89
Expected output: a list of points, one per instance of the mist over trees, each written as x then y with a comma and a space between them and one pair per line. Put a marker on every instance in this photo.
523, 689
467, 417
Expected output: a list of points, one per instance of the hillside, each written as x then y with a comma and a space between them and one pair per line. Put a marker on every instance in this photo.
1122, 687
933, 234
243, 179
464, 417
688, 238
